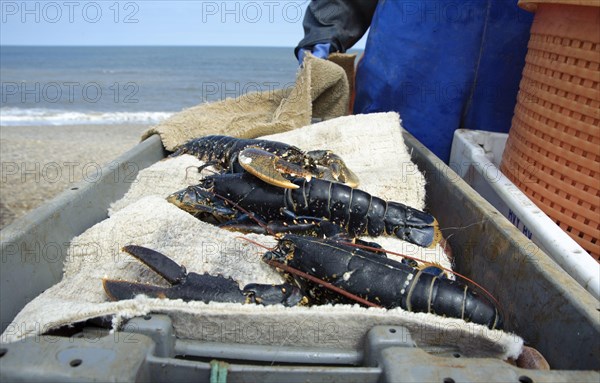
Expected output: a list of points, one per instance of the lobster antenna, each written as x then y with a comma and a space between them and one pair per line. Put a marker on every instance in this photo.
256, 243
206, 165
321, 282
199, 169
191, 167
375, 249
464, 227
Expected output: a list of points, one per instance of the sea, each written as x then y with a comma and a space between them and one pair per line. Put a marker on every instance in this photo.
130, 85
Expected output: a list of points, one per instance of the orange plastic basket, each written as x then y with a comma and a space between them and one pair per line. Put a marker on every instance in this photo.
553, 148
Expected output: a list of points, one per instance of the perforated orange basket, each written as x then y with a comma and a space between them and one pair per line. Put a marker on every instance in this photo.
553, 148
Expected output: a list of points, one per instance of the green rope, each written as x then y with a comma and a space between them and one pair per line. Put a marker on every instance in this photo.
218, 371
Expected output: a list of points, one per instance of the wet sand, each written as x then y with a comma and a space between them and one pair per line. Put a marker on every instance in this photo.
39, 162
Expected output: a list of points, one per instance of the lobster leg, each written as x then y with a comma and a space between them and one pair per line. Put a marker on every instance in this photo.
294, 224
196, 287
271, 228
291, 223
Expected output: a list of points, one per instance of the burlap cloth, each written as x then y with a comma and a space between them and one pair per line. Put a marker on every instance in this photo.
321, 91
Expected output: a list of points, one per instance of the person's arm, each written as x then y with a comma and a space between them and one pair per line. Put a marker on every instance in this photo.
340, 23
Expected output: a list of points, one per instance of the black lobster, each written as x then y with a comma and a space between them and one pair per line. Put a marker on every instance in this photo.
239, 200
372, 276
323, 271
268, 160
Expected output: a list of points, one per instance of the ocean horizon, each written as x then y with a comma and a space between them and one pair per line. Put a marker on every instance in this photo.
73, 85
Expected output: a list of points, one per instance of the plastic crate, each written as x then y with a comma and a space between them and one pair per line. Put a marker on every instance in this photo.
566, 329
476, 156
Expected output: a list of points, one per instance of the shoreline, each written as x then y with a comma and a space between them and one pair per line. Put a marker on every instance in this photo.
39, 162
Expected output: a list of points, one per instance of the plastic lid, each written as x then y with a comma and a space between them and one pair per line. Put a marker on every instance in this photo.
531, 5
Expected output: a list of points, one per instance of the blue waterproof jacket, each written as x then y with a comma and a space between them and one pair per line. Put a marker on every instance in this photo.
441, 64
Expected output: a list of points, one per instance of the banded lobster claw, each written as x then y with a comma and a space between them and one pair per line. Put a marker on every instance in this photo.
333, 167
270, 161
196, 287
269, 167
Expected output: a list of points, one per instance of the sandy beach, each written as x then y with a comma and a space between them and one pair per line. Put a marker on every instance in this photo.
39, 162
67, 110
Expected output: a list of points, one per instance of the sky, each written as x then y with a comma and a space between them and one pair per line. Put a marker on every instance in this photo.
222, 23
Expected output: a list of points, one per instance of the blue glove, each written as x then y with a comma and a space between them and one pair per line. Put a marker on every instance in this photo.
319, 50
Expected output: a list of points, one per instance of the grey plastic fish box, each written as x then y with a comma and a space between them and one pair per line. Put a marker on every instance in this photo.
541, 303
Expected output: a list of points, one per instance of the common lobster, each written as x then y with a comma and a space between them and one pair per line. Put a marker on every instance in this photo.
226, 197
268, 160
372, 276
324, 271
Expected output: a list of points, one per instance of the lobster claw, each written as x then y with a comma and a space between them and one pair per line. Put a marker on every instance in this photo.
185, 286
196, 287
270, 167
334, 167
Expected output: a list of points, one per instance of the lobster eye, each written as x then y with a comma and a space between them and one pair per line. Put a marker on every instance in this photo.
286, 246
206, 183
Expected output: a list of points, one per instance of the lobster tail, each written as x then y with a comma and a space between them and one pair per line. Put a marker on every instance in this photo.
412, 225
480, 310
396, 284
449, 298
